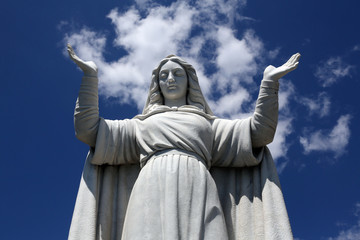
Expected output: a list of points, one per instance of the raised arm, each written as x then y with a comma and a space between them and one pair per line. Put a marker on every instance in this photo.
264, 121
86, 116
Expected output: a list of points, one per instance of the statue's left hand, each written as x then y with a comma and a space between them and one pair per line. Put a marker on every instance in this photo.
275, 73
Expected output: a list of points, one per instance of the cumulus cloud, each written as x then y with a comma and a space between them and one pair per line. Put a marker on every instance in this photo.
143, 4
352, 233
286, 93
232, 51
230, 104
146, 40
219, 11
357, 209
226, 60
319, 106
356, 48
89, 44
334, 140
164, 30
280, 145
331, 70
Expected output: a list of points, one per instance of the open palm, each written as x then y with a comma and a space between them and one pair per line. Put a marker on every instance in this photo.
88, 67
275, 73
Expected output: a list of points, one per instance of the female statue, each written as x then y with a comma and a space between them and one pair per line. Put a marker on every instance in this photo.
176, 171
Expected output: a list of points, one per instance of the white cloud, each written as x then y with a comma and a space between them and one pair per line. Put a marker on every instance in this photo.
203, 34
147, 40
332, 70
236, 58
356, 48
352, 233
273, 53
224, 11
280, 146
89, 44
319, 106
163, 30
357, 209
286, 93
230, 104
335, 140
143, 4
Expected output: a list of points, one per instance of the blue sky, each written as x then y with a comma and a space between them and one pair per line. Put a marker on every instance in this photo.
230, 43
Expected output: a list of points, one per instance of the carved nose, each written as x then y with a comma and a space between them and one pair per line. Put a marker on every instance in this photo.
171, 78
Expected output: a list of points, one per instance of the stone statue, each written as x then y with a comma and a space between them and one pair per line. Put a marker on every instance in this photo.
176, 171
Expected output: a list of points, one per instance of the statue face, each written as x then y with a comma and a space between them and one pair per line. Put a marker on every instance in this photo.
173, 81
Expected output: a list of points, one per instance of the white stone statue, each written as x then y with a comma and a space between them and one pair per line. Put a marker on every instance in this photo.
176, 171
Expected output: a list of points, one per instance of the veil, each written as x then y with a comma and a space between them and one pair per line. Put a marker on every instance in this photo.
195, 96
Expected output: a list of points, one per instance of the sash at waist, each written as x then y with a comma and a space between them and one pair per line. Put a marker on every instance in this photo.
178, 152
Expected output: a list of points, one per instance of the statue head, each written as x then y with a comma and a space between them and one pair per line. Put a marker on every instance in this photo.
194, 95
173, 83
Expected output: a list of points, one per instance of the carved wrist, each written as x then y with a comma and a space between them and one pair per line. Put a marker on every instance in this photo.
268, 83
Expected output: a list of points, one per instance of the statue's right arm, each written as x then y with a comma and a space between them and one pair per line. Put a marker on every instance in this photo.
86, 116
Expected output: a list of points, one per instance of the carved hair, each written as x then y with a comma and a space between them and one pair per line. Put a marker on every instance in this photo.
194, 95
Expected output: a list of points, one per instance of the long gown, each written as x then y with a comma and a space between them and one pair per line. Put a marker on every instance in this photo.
174, 195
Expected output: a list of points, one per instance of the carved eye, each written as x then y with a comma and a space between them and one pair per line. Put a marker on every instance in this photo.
163, 75
179, 73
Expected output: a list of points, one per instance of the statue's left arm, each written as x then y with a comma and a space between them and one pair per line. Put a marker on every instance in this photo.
86, 115
264, 120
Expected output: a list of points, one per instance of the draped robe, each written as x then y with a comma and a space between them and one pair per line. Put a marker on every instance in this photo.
178, 173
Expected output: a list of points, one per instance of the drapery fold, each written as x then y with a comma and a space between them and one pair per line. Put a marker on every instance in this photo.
251, 199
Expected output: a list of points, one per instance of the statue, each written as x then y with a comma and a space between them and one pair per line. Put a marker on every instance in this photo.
176, 171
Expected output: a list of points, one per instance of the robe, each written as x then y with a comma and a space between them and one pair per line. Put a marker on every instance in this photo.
179, 174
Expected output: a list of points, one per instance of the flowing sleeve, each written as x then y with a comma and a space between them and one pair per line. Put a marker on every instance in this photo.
232, 145
237, 142
249, 187
105, 188
264, 120
116, 143
86, 115
113, 142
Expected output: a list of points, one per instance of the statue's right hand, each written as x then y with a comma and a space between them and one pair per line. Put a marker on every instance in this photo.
89, 67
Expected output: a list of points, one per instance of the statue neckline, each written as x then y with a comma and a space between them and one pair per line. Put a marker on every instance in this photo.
185, 108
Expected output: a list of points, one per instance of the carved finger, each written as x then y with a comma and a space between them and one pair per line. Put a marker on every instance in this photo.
296, 65
293, 66
71, 51
296, 57
288, 61
292, 60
